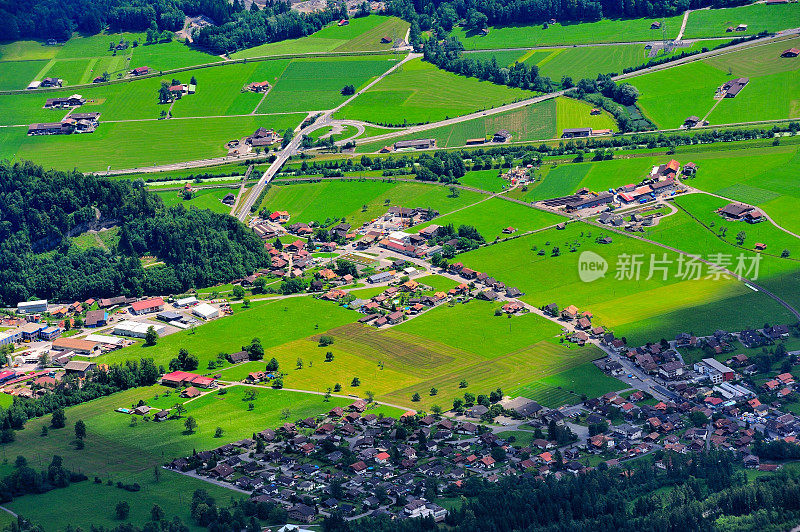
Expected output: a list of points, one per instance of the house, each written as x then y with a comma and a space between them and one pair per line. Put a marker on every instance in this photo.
791, 52
501, 136
280, 217
147, 306
51, 82
671, 370
140, 71
730, 89
96, 318
79, 367
78, 346
191, 392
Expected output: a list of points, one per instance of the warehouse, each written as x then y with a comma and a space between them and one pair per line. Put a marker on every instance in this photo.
205, 311
135, 329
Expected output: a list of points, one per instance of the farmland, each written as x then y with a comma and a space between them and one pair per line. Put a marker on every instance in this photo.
640, 310
592, 32
307, 202
419, 92
361, 35
202, 199
757, 17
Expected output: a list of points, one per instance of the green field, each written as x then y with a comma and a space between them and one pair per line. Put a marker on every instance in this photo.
419, 92
758, 17
490, 180
640, 310
17, 74
490, 217
307, 202
313, 84
106, 240
361, 35
574, 113
26, 51
118, 451
669, 96
274, 322
591, 32
137, 144
202, 199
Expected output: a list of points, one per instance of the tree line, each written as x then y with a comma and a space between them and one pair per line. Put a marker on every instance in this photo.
40, 208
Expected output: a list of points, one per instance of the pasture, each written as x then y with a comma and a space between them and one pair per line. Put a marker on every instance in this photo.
112, 443
202, 199
137, 144
758, 17
336, 199
640, 309
361, 35
17, 74
274, 322
603, 31
419, 92
492, 216
574, 113
485, 180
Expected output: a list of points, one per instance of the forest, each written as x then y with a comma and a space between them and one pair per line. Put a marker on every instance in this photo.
40, 209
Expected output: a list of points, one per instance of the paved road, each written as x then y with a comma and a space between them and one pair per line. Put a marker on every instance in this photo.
293, 147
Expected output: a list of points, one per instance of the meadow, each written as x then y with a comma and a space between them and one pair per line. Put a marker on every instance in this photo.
490, 180
202, 199
642, 310
333, 200
492, 216
137, 144
274, 322
603, 31
418, 92
669, 96
361, 35
758, 17
13, 74
115, 450
539, 121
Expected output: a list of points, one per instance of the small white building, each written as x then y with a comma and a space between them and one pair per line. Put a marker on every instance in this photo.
205, 311
400, 237
137, 329
32, 307
105, 339
186, 301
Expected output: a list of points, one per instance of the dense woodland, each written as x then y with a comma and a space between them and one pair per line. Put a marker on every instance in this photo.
39, 209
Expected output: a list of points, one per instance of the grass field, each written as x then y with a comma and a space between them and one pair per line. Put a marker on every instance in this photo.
312, 84
105, 240
118, 451
362, 34
640, 310
17, 74
137, 144
758, 17
419, 92
274, 322
592, 32
490, 217
307, 202
570, 113
202, 199
669, 96
26, 51
490, 180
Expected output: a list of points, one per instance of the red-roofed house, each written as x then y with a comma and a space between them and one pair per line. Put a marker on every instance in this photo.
146, 306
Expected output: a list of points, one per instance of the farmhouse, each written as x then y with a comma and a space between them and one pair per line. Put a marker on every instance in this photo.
501, 136
62, 103
258, 86
733, 87
182, 378
417, 144
791, 52
96, 318
262, 137
50, 128
741, 211
140, 71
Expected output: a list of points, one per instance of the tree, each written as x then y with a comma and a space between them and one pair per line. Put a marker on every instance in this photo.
458, 404
462, 384
337, 387
80, 429
157, 513
415, 397
369, 395
218, 432
272, 365
179, 409
329, 356
325, 340
348, 90
255, 350
327, 396
434, 391
59, 420
355, 382
469, 398
740, 237
151, 336
785, 254
190, 424
193, 81
164, 94
626, 94
237, 292
285, 413
122, 510
287, 137
156, 474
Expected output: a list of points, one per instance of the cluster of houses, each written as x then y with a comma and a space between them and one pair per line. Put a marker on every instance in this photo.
46, 83
490, 289
72, 123
359, 463
397, 219
65, 102
660, 182
581, 321
256, 86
